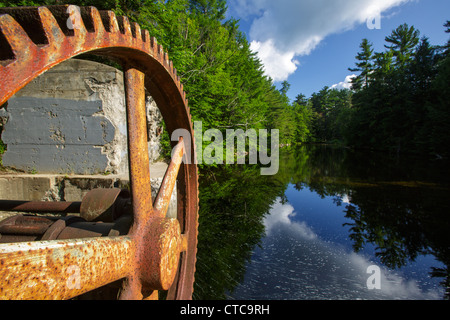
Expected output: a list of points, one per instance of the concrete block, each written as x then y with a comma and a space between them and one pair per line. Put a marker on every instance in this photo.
72, 119
25, 187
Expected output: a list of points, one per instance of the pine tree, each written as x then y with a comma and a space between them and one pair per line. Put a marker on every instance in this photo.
364, 65
402, 41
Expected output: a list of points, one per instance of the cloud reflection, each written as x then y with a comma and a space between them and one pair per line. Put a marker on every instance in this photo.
282, 214
295, 263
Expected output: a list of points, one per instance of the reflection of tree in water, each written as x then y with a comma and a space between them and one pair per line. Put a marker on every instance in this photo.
396, 204
233, 203
400, 210
403, 224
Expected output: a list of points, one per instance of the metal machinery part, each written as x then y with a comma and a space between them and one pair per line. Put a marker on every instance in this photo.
67, 257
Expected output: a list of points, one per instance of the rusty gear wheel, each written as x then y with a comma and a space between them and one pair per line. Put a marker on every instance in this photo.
158, 253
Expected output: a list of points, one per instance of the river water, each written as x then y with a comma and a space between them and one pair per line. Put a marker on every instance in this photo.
331, 224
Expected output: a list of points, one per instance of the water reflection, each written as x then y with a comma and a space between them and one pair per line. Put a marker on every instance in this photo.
311, 231
294, 262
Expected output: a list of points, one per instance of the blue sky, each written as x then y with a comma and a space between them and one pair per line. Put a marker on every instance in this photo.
312, 43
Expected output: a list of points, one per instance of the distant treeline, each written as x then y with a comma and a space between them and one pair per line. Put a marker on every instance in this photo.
399, 101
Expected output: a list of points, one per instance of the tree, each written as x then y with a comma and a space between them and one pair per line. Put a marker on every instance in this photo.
329, 106
447, 46
214, 9
301, 100
285, 86
402, 41
304, 118
364, 65
438, 106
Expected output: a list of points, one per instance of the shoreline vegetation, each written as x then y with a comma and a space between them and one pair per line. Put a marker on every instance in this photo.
399, 100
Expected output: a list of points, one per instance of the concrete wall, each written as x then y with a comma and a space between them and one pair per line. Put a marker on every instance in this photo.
67, 131
72, 119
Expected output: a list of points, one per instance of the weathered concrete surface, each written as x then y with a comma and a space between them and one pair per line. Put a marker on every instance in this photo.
27, 187
72, 119
61, 136
52, 187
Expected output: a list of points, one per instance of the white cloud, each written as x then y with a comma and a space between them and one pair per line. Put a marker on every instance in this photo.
277, 64
282, 214
284, 29
346, 84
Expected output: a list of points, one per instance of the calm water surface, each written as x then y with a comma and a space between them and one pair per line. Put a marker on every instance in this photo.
313, 230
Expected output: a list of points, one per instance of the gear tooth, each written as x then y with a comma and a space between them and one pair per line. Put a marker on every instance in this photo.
126, 26
159, 53
153, 42
145, 35
154, 46
16, 37
137, 31
96, 20
175, 74
146, 40
113, 25
30, 21
165, 58
170, 63
52, 30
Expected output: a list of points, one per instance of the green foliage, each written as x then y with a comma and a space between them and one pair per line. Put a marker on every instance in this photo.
403, 41
404, 105
399, 100
332, 109
224, 80
364, 66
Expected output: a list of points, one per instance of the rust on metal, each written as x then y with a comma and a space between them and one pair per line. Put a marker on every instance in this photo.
137, 145
62, 269
105, 204
56, 228
22, 228
165, 191
40, 206
26, 225
158, 253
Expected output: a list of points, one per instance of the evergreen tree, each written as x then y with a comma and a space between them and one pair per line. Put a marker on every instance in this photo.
402, 42
364, 65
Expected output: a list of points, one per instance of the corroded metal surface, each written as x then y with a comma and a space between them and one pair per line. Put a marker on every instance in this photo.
105, 204
137, 145
158, 253
62, 269
40, 206
165, 191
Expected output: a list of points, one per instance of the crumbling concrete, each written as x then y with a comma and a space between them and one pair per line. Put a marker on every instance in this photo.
72, 119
